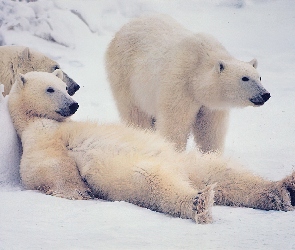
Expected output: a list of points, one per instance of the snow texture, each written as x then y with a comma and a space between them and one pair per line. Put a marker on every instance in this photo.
9, 147
76, 33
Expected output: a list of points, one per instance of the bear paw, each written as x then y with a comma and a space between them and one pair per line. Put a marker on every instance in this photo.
288, 192
74, 194
202, 205
279, 196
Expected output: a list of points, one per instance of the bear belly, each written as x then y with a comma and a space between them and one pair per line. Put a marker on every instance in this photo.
144, 89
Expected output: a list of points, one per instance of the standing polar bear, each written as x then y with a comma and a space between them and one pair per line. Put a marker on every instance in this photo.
19, 59
68, 159
160, 72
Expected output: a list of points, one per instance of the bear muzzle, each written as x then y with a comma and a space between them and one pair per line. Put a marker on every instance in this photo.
260, 99
70, 110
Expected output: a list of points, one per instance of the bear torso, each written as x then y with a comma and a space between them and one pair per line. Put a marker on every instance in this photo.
158, 51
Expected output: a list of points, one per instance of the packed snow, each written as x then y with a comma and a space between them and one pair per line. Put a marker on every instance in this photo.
76, 33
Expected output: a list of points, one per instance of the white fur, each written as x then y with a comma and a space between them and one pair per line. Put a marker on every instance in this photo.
159, 70
125, 163
19, 59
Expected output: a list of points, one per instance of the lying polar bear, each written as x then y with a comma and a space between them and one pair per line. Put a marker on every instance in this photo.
75, 160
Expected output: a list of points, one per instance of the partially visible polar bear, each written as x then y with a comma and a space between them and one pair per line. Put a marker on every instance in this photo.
160, 72
63, 157
19, 59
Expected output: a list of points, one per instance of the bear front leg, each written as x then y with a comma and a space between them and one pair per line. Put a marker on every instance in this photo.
210, 128
69, 187
54, 174
278, 195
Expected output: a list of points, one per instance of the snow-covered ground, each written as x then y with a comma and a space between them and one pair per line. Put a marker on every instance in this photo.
76, 33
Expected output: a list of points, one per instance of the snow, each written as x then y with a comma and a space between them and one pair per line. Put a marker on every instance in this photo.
9, 147
76, 33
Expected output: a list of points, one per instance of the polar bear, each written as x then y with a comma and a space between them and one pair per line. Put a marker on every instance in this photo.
19, 59
161, 73
120, 163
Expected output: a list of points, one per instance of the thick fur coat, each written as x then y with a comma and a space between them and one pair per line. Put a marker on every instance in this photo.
19, 59
77, 160
166, 77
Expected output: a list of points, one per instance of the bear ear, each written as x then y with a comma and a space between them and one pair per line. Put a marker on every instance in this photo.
26, 53
58, 73
219, 66
254, 63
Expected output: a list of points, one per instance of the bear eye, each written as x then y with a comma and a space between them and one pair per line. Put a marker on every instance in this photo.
66, 88
50, 90
56, 67
245, 79
260, 78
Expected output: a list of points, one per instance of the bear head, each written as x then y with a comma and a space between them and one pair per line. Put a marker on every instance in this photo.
44, 95
32, 60
235, 84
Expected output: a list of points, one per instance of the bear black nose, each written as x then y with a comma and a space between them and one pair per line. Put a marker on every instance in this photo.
265, 96
73, 107
76, 87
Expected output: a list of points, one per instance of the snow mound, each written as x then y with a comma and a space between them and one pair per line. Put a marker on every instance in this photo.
39, 18
63, 22
9, 147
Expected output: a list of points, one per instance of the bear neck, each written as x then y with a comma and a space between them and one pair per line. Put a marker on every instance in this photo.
21, 116
21, 119
26, 121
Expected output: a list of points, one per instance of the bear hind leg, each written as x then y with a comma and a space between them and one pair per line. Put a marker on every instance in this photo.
136, 117
287, 186
167, 193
